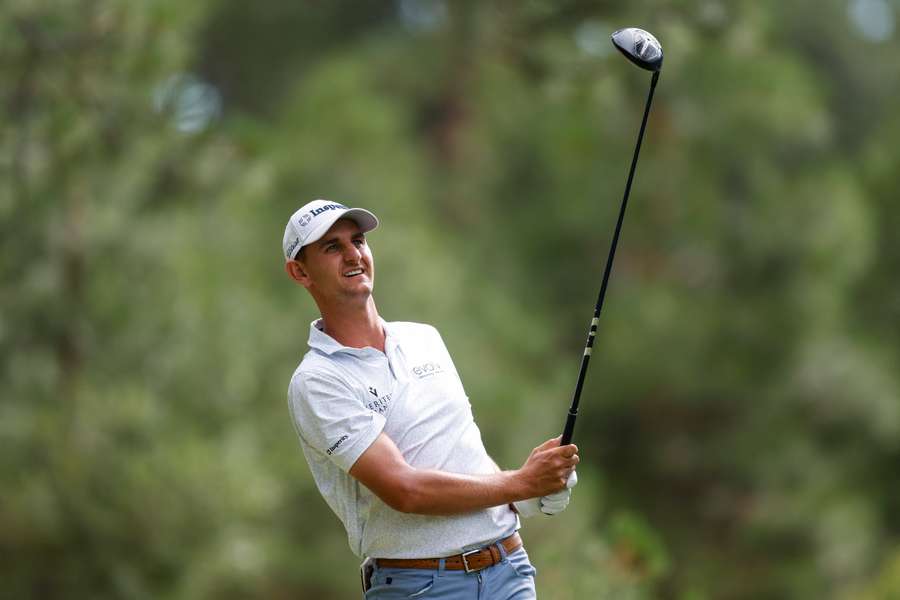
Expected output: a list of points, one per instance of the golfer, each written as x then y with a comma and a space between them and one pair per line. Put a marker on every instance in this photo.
388, 432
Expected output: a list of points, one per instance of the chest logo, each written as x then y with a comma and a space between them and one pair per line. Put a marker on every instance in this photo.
428, 369
379, 404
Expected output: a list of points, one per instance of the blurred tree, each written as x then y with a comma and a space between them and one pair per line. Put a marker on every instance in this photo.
108, 459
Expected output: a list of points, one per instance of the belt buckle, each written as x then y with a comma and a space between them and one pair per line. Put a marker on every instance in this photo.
466, 562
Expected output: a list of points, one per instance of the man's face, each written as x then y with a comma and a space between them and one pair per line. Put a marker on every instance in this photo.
339, 266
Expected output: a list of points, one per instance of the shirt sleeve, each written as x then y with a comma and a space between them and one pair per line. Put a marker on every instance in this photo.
331, 418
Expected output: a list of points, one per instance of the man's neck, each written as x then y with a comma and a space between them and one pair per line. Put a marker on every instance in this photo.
355, 328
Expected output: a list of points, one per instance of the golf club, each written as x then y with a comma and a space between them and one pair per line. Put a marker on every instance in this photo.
642, 49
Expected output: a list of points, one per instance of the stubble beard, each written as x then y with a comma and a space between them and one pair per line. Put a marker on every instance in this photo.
357, 297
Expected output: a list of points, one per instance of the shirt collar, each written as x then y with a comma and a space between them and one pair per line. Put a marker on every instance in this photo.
319, 340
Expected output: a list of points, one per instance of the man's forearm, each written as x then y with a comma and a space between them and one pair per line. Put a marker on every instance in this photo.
431, 492
383, 470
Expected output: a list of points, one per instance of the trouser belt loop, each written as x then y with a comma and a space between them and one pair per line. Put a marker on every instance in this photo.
441, 565
502, 549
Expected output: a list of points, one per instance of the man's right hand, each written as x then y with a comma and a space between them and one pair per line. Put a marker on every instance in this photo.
548, 467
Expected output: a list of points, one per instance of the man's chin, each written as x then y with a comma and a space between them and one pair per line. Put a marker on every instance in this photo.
359, 291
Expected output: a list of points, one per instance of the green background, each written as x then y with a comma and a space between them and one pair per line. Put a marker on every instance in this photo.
740, 428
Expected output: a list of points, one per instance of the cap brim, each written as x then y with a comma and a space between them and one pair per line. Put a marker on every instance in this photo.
366, 221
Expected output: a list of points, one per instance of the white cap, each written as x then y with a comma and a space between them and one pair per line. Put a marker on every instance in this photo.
315, 218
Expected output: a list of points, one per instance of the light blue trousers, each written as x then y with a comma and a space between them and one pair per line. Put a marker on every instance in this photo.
510, 579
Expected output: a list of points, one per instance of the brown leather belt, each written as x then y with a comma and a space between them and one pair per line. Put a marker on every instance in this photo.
469, 562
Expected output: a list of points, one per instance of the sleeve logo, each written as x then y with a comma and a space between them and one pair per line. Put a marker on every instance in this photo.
337, 445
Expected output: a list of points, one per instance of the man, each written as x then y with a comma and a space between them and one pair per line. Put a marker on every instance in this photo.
388, 433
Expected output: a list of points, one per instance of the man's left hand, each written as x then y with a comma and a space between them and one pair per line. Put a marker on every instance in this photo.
550, 504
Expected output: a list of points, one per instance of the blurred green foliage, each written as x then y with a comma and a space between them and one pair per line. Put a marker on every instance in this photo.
740, 432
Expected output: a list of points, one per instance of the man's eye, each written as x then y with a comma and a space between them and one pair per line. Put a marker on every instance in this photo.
359, 242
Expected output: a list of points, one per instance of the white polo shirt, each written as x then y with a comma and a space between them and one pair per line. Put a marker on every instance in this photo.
342, 398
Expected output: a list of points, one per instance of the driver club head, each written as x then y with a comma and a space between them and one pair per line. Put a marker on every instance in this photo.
640, 47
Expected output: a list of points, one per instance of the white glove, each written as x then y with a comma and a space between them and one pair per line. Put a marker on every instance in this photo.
550, 504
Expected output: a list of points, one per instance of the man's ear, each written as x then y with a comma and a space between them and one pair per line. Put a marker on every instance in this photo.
296, 271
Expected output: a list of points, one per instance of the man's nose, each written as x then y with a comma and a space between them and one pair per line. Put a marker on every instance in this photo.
351, 253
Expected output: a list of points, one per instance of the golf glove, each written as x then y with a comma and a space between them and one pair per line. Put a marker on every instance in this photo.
549, 505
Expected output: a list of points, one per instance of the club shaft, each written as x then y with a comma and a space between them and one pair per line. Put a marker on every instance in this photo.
569, 429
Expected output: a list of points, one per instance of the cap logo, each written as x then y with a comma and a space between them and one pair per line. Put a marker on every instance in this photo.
304, 220
314, 212
293, 245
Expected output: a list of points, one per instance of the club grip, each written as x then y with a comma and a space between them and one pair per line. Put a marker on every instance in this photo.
569, 430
